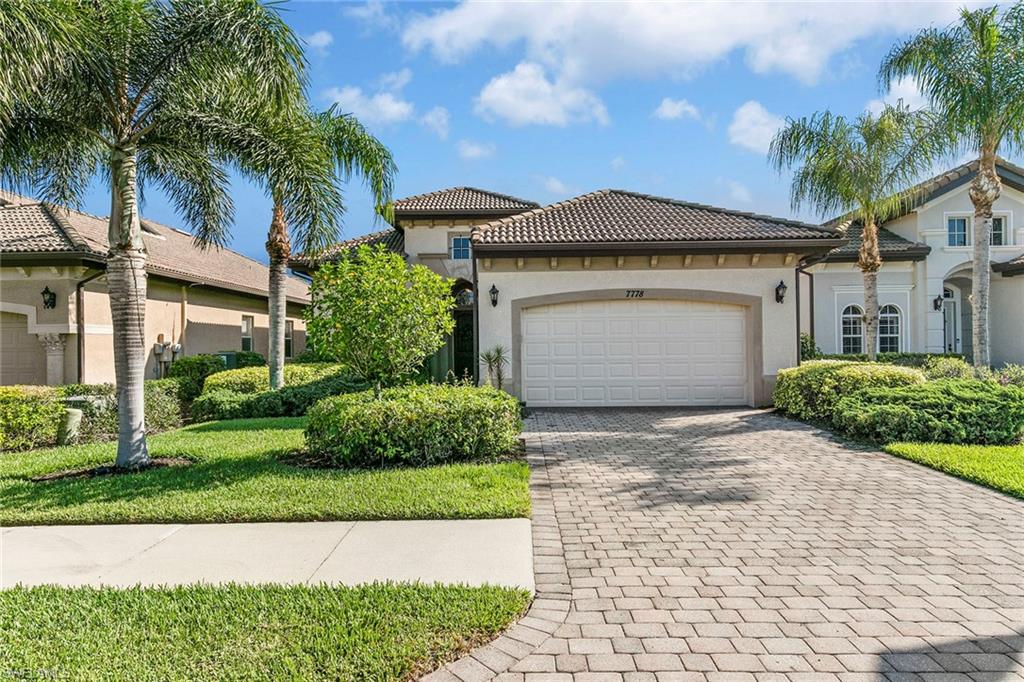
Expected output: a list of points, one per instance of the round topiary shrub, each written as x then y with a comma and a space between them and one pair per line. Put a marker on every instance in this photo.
414, 425
947, 367
257, 379
29, 416
193, 370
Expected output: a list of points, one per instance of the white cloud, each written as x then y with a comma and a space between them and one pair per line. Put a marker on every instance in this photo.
373, 14
618, 163
739, 192
382, 107
395, 81
556, 186
753, 127
437, 120
904, 89
320, 41
474, 150
672, 109
590, 43
525, 96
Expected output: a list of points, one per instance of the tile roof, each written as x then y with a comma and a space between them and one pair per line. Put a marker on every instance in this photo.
462, 201
891, 245
617, 217
1010, 267
392, 238
44, 229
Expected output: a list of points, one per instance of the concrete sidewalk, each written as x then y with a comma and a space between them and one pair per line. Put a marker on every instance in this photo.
475, 552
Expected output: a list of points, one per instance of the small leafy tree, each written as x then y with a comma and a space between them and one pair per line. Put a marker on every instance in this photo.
378, 316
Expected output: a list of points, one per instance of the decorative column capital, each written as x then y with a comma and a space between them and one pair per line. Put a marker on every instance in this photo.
52, 343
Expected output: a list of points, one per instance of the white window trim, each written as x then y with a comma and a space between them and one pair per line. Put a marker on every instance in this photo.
1007, 217
451, 245
968, 229
842, 317
900, 345
1008, 230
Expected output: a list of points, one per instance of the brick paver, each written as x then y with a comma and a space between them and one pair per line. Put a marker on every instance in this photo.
737, 545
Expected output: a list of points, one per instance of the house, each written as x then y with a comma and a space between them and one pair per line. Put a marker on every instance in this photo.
55, 322
925, 285
613, 297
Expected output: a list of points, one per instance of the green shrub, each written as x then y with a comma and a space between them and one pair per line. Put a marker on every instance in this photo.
812, 390
257, 379
414, 425
940, 367
903, 359
29, 416
945, 411
193, 370
290, 401
808, 348
165, 401
248, 358
1010, 375
307, 356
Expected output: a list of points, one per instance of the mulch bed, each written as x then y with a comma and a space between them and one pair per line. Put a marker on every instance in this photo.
111, 470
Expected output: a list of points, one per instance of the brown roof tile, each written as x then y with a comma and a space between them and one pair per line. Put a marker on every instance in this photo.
617, 216
891, 245
462, 201
1011, 267
51, 230
392, 239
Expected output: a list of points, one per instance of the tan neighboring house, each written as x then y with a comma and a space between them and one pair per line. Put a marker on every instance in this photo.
55, 323
613, 297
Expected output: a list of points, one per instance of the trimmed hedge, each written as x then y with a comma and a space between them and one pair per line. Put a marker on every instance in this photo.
290, 401
414, 425
811, 391
940, 367
249, 358
904, 359
945, 411
1010, 375
193, 370
257, 380
29, 416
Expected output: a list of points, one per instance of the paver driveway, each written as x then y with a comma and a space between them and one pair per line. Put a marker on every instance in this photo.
740, 545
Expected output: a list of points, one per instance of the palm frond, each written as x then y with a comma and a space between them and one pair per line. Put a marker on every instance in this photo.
358, 152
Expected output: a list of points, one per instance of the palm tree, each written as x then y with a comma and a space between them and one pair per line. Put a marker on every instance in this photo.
143, 93
862, 167
350, 149
973, 75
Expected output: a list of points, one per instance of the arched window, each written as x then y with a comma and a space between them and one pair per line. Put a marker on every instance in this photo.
889, 329
851, 329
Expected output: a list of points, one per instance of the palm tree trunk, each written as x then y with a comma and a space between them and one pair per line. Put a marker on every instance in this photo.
279, 249
870, 261
985, 189
126, 279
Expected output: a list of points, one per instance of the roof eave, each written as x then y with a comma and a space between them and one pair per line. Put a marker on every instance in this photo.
1009, 269
467, 212
813, 245
906, 255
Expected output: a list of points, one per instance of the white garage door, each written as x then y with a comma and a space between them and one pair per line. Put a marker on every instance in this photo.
22, 360
634, 352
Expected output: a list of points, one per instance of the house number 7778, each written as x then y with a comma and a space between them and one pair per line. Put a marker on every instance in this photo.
634, 293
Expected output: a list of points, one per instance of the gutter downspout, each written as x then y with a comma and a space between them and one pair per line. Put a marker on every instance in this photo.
476, 326
80, 321
801, 269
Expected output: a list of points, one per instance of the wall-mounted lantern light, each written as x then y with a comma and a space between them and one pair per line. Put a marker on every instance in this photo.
780, 292
937, 303
49, 299
494, 296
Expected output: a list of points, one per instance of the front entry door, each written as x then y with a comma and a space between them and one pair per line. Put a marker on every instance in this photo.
463, 362
951, 326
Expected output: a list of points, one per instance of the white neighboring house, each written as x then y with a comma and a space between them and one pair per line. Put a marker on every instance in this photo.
613, 297
925, 284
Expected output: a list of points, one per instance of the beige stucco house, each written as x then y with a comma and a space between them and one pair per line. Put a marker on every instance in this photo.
925, 284
55, 324
613, 297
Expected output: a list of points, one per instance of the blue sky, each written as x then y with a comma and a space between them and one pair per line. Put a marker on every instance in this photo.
550, 100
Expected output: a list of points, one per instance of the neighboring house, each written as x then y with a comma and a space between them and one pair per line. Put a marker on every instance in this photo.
925, 284
55, 323
614, 297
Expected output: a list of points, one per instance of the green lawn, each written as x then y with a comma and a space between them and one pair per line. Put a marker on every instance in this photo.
373, 632
237, 476
996, 466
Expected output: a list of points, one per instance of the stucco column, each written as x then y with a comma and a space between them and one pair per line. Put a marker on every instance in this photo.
53, 345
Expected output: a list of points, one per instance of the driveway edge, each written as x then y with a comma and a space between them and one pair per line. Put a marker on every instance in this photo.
550, 606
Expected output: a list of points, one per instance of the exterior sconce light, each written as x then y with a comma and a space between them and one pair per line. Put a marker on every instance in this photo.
494, 296
937, 303
49, 299
780, 292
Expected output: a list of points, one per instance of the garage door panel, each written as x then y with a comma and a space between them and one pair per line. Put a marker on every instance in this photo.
635, 352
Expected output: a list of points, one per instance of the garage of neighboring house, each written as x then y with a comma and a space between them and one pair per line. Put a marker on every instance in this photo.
617, 299
22, 359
